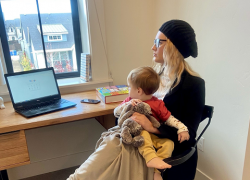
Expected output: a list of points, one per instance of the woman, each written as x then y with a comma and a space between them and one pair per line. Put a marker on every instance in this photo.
183, 93
181, 89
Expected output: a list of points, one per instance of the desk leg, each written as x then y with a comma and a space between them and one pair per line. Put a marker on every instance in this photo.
4, 175
107, 121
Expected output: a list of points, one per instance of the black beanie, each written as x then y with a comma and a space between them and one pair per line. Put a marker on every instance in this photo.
182, 35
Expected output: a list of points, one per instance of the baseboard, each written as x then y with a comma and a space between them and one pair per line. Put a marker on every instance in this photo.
201, 176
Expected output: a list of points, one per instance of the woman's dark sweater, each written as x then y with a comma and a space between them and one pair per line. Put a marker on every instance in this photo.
185, 102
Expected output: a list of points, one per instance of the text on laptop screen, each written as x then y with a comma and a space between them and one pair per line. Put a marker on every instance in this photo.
26, 87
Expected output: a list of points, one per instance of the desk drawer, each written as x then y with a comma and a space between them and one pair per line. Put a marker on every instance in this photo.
13, 150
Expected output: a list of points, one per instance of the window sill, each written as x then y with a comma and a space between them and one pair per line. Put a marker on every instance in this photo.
75, 82
67, 84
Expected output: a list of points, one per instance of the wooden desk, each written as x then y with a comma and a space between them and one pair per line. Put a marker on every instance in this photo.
13, 146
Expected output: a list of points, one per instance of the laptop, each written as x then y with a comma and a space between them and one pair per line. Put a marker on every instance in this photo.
35, 92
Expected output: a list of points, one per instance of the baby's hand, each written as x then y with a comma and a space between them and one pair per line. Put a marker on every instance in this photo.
183, 136
134, 102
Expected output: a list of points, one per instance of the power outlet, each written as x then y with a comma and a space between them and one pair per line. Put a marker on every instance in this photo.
201, 144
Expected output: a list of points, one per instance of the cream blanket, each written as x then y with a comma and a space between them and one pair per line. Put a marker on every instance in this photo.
113, 160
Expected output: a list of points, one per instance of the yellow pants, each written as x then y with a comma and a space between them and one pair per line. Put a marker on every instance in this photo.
164, 147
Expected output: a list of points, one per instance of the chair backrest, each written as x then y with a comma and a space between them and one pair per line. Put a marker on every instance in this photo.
207, 113
174, 161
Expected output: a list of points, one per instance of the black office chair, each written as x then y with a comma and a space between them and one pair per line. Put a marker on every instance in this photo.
176, 160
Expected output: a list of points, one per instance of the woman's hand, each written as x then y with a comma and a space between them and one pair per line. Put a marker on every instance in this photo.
144, 122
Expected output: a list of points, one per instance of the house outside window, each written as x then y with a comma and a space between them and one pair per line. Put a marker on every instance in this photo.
57, 38
60, 61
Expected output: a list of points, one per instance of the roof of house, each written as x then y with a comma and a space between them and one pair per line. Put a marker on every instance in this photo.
53, 29
12, 23
29, 23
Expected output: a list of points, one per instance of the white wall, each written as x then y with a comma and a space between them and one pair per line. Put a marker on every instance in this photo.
130, 33
222, 28
99, 66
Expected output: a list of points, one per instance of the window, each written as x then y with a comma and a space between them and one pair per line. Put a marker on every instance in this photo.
55, 38
95, 23
49, 32
60, 61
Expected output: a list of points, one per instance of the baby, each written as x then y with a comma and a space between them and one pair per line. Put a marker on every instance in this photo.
143, 82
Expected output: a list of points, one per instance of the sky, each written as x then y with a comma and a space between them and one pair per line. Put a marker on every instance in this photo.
13, 8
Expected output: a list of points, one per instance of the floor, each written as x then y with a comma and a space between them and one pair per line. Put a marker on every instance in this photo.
57, 175
65, 173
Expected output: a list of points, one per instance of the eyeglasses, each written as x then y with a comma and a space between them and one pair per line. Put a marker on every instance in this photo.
157, 42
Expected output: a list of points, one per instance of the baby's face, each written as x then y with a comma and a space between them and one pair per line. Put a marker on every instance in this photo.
133, 92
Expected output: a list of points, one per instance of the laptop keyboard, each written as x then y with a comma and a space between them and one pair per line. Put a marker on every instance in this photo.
43, 105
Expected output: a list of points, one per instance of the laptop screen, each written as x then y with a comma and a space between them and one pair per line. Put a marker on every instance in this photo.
31, 86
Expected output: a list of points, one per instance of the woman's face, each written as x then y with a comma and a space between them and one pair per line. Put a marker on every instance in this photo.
158, 47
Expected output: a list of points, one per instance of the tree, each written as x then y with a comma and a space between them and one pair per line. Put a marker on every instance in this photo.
25, 62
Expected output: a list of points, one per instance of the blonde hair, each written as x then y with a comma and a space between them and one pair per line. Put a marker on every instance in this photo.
172, 68
145, 78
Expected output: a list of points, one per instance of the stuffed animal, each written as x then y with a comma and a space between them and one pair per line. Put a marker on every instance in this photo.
130, 129
1, 103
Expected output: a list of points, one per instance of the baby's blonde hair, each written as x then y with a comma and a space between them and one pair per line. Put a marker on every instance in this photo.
145, 78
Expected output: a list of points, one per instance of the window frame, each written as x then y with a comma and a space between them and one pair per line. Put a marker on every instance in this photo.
77, 39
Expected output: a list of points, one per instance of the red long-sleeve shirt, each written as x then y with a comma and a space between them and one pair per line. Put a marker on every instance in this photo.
158, 108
